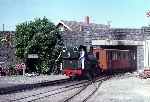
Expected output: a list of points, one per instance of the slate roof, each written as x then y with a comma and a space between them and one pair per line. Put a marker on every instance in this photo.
76, 26
5, 32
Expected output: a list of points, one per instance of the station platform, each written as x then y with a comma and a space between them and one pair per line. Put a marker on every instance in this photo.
9, 84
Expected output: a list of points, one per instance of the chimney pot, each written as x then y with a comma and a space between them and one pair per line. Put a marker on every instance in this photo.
87, 20
81, 28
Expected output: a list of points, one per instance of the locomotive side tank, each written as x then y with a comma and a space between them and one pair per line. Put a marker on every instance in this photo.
71, 64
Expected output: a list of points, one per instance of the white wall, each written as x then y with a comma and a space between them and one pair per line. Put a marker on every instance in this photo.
117, 42
147, 54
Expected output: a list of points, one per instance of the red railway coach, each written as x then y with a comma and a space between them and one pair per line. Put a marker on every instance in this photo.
115, 60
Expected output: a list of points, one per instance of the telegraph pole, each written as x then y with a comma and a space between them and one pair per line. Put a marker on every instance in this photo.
3, 29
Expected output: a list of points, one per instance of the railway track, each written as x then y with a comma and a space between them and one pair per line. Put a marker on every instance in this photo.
49, 93
77, 89
89, 89
20, 87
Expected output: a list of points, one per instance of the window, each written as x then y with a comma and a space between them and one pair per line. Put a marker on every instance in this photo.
97, 55
61, 29
113, 56
125, 55
119, 55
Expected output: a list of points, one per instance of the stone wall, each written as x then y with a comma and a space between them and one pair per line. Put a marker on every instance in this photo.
140, 57
7, 53
118, 34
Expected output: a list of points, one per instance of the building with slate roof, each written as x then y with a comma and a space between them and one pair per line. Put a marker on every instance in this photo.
81, 26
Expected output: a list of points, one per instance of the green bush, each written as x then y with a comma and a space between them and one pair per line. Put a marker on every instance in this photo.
41, 37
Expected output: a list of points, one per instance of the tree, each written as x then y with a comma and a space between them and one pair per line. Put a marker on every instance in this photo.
39, 37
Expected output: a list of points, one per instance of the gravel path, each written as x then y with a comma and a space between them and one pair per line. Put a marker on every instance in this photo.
123, 89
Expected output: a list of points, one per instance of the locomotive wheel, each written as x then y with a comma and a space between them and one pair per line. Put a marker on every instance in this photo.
71, 77
75, 77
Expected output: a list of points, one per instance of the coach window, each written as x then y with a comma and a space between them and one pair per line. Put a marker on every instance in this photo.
114, 56
110, 55
118, 55
124, 55
97, 55
121, 55
127, 55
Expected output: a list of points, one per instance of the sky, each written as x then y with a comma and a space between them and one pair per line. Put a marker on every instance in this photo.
121, 13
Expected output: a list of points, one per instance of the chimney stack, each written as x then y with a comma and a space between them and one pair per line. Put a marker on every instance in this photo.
87, 20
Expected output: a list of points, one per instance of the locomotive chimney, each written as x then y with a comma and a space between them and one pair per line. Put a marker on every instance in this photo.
87, 20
